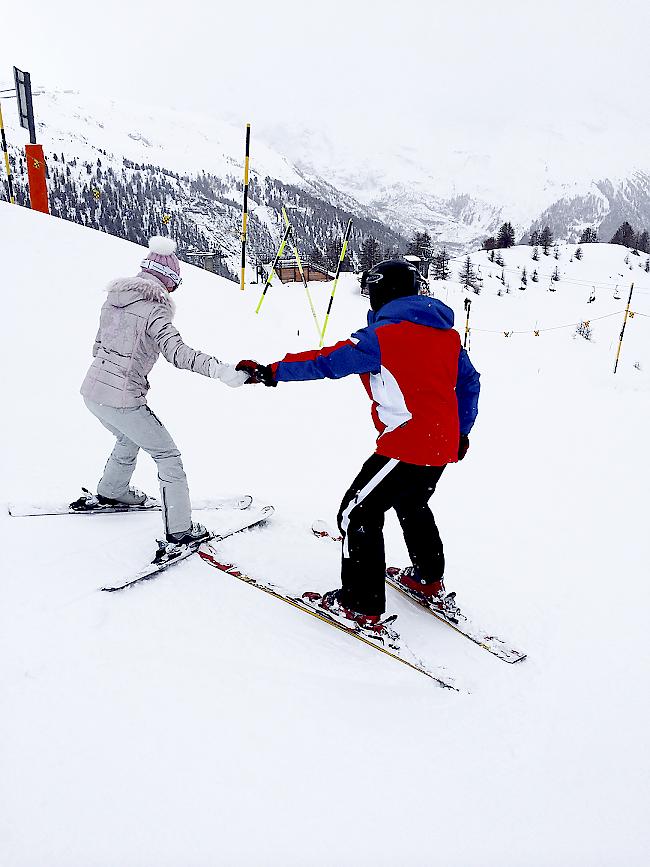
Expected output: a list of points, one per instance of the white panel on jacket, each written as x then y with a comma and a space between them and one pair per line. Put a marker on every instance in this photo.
391, 405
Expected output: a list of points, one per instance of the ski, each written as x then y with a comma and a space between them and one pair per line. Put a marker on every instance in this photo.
458, 621
156, 567
31, 510
310, 606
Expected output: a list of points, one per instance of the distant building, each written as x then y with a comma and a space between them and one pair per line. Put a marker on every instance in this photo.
208, 259
289, 272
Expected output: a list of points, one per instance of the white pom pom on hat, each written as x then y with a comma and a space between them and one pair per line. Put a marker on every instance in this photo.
162, 246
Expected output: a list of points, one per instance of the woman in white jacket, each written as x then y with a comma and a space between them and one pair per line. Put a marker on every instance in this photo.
135, 327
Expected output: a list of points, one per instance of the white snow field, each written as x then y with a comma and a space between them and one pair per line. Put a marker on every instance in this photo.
193, 721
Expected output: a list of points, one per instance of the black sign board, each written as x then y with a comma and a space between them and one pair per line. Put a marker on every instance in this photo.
24, 98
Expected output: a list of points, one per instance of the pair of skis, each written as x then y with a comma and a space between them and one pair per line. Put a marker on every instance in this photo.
308, 603
456, 620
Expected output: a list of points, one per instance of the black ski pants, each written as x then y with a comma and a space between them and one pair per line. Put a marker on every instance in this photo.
383, 484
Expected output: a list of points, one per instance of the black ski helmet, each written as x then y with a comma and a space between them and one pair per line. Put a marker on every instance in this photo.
394, 278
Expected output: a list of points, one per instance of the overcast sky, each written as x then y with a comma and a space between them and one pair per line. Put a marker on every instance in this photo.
374, 64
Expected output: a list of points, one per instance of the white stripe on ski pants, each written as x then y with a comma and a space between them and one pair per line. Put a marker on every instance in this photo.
360, 497
138, 428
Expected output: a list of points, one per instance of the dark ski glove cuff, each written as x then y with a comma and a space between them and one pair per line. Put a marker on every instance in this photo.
463, 445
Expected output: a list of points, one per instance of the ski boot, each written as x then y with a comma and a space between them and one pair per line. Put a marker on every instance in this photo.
89, 502
369, 625
133, 497
432, 592
176, 543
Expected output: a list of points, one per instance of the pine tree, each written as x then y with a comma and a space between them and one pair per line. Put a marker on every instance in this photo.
555, 275
624, 235
589, 236
524, 278
369, 253
468, 277
441, 270
643, 242
506, 236
534, 238
499, 260
489, 243
578, 253
535, 254
534, 277
546, 239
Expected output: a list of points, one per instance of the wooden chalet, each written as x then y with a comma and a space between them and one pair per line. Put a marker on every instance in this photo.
289, 272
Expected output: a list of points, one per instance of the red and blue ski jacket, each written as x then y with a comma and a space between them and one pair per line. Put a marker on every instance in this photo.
423, 387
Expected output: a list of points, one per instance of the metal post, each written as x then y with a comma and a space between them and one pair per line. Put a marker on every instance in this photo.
5, 151
627, 313
468, 304
245, 217
273, 266
346, 238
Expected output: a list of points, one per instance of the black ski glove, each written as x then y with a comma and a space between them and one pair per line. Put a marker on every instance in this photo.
463, 445
257, 373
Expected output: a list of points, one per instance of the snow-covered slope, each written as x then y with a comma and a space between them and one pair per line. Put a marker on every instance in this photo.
194, 721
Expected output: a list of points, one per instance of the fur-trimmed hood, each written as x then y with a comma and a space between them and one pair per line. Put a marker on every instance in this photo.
127, 290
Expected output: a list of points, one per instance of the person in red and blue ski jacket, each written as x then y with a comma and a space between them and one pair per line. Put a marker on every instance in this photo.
424, 392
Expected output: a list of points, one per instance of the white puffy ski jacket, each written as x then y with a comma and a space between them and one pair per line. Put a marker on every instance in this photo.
135, 326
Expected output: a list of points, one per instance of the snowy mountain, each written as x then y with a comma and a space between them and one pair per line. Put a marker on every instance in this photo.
194, 720
460, 183
124, 169
464, 176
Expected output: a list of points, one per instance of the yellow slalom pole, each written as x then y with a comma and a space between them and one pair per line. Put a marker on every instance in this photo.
346, 238
3, 141
273, 266
302, 273
245, 218
627, 313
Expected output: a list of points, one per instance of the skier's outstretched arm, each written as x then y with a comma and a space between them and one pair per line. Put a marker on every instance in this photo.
358, 354
468, 388
168, 339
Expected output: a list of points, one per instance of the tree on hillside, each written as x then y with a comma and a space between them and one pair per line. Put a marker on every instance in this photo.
468, 277
420, 246
624, 235
578, 254
643, 242
535, 254
546, 239
370, 253
489, 243
534, 238
534, 277
506, 236
440, 265
523, 278
589, 236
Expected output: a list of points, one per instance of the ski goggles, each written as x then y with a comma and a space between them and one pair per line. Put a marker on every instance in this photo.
158, 268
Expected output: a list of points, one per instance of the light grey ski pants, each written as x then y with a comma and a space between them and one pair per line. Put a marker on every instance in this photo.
138, 428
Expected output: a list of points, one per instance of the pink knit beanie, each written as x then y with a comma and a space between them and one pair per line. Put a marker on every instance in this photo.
161, 261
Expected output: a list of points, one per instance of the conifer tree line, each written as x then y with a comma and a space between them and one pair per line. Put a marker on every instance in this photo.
202, 212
